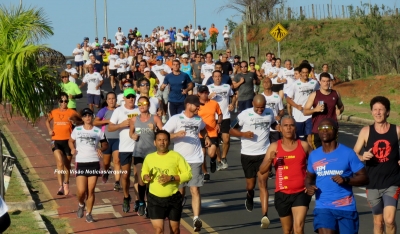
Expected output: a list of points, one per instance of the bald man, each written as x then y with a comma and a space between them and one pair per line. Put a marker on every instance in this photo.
255, 124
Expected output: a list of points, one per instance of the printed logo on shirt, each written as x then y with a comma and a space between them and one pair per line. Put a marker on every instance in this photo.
320, 168
270, 105
346, 201
130, 116
381, 150
260, 123
86, 138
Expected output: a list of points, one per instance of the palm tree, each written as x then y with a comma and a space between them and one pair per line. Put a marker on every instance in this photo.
28, 74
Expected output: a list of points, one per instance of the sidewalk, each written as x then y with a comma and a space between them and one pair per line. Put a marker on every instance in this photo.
107, 210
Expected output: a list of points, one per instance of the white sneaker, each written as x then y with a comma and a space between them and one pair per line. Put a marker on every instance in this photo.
224, 163
265, 222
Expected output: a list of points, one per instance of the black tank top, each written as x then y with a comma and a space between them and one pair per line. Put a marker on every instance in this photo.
383, 168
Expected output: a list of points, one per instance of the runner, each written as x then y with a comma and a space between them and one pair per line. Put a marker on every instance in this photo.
71, 89
60, 133
381, 156
222, 93
94, 81
244, 83
164, 199
213, 32
207, 68
185, 66
121, 64
273, 102
227, 68
226, 79
84, 142
321, 104
120, 98
211, 114
331, 172
196, 68
184, 129
272, 73
161, 70
142, 129
119, 35
286, 76
226, 35
266, 65
78, 53
112, 58
144, 90
256, 123
120, 121
152, 85
102, 120
289, 157
73, 74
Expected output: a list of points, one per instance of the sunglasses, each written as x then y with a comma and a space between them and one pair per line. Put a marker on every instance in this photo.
63, 101
142, 104
64, 76
127, 86
130, 96
325, 127
144, 84
85, 115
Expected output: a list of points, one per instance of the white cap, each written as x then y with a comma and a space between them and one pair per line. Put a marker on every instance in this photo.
185, 56
91, 55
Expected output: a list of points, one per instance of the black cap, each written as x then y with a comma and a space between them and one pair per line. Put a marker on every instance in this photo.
86, 111
193, 99
237, 56
96, 38
202, 88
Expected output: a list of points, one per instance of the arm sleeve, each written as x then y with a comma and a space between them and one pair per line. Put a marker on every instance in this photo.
114, 117
280, 104
73, 134
202, 125
166, 80
101, 112
170, 125
185, 172
218, 109
355, 163
240, 119
290, 90
209, 81
145, 169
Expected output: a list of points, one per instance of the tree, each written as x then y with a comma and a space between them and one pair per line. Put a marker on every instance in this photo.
27, 68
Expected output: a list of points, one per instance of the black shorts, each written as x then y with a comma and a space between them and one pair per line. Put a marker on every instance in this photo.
125, 158
277, 87
87, 169
63, 146
165, 207
214, 141
137, 160
105, 64
121, 75
251, 164
167, 43
274, 136
225, 126
315, 141
284, 202
113, 72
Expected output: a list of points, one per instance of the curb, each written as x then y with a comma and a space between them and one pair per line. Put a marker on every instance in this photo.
354, 119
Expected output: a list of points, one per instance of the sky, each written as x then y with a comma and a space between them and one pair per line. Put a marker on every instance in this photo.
73, 20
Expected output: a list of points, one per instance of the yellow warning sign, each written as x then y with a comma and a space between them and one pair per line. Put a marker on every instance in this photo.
278, 32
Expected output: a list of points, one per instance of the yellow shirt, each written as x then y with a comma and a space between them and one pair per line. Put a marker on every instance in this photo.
152, 85
171, 163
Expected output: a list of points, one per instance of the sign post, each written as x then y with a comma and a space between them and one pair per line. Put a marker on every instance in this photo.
278, 33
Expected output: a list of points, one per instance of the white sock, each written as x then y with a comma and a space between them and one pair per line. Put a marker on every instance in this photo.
195, 217
81, 205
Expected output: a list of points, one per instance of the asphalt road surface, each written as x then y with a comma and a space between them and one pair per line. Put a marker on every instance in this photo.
223, 198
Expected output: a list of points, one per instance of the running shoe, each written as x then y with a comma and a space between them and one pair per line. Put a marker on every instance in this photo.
60, 190
89, 218
117, 186
105, 177
206, 177
271, 175
81, 209
224, 163
249, 203
265, 222
197, 224
142, 209
66, 188
213, 165
136, 206
126, 204
219, 166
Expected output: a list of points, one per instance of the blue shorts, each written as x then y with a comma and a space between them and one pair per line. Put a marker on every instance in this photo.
112, 146
303, 129
343, 221
79, 64
94, 99
243, 105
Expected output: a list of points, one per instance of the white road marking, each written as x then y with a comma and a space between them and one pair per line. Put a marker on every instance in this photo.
131, 231
106, 200
212, 203
361, 194
97, 190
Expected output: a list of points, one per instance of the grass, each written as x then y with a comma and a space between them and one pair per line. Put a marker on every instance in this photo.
23, 222
14, 192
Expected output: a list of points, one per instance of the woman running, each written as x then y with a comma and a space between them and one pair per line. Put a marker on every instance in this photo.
102, 120
142, 130
84, 142
60, 133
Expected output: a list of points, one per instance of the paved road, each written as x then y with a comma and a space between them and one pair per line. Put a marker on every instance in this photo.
223, 209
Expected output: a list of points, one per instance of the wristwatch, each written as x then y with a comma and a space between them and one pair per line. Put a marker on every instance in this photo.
346, 180
172, 178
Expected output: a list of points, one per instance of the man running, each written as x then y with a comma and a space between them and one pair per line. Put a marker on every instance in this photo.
184, 129
289, 157
244, 82
73, 74
213, 31
207, 68
322, 104
71, 89
331, 172
94, 81
256, 123
381, 157
161, 70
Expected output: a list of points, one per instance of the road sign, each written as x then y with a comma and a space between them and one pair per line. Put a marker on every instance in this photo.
278, 32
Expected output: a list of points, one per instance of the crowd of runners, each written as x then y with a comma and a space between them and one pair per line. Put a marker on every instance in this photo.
286, 120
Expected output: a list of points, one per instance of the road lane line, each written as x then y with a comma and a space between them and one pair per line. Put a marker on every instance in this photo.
205, 225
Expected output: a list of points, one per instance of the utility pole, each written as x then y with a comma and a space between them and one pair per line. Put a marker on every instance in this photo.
194, 26
95, 19
105, 19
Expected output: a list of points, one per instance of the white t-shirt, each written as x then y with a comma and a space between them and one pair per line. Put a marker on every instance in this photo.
179, 37
3, 207
92, 80
288, 75
129, 62
126, 144
207, 70
258, 124
119, 36
265, 66
299, 93
273, 102
191, 31
112, 58
274, 70
120, 99
79, 56
86, 142
88, 62
121, 64
317, 76
188, 146
161, 34
167, 38
73, 72
154, 104
225, 33
224, 92
157, 70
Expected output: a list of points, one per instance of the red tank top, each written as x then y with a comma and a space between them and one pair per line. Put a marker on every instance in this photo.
290, 169
330, 102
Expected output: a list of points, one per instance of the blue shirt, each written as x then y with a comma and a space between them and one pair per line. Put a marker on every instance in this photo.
342, 161
172, 35
186, 34
225, 80
176, 84
187, 69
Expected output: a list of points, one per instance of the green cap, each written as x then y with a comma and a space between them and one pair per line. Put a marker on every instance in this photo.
129, 91
97, 44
